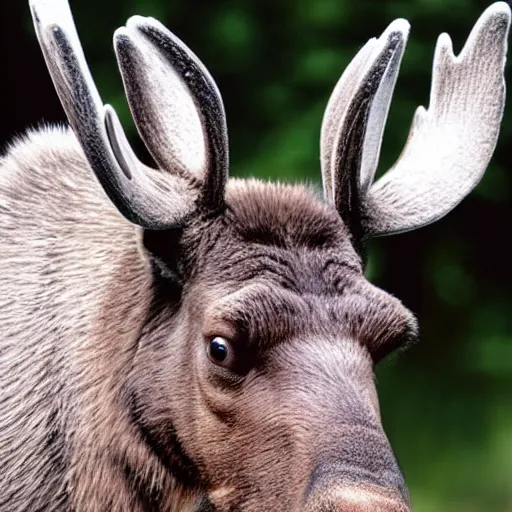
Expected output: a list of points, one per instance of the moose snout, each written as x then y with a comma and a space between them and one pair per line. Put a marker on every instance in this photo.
362, 477
357, 498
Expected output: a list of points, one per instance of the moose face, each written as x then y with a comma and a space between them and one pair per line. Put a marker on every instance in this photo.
254, 374
263, 369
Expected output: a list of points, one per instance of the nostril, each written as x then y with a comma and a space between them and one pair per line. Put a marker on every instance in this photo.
357, 499
367, 506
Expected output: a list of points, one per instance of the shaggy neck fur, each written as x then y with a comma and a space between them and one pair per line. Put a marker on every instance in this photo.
68, 438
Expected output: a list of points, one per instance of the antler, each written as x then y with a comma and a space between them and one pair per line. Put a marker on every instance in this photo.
451, 143
186, 127
354, 121
449, 146
149, 198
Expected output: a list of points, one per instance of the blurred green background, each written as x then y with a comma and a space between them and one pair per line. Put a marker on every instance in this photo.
447, 403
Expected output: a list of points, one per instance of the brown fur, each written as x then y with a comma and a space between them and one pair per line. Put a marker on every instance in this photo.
108, 401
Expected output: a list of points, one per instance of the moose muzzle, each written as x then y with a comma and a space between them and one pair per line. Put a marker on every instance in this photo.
352, 467
358, 498
372, 482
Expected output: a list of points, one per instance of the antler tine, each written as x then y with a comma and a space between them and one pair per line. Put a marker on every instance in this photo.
336, 107
151, 60
355, 117
397, 31
451, 143
141, 198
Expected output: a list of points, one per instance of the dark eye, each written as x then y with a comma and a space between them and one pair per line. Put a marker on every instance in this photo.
219, 350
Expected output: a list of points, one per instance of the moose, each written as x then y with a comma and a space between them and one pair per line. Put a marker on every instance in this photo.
174, 340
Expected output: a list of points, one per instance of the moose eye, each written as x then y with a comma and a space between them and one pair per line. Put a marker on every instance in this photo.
218, 350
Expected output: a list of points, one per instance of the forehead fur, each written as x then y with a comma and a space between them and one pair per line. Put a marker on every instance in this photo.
284, 215
280, 262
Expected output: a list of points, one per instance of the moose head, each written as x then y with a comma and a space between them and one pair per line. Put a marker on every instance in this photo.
252, 381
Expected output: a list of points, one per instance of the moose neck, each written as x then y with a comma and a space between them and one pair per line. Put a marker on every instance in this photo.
121, 451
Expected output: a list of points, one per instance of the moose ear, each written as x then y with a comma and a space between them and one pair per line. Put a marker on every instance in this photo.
450, 144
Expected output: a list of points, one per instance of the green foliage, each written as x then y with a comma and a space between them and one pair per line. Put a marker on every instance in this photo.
446, 403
